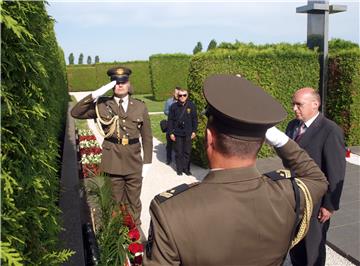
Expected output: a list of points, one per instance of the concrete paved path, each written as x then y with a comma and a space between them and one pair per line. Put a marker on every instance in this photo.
162, 177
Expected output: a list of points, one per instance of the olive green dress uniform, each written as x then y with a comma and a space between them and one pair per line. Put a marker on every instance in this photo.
121, 159
123, 163
235, 216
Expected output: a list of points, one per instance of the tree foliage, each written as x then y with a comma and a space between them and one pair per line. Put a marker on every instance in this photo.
89, 60
198, 48
212, 45
97, 59
71, 59
33, 107
81, 59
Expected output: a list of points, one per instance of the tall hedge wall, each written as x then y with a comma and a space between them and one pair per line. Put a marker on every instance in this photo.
33, 107
343, 102
91, 77
168, 71
280, 70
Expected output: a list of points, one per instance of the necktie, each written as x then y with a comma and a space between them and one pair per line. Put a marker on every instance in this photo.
301, 130
121, 106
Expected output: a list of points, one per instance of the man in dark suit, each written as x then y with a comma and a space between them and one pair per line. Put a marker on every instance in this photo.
236, 215
122, 119
324, 142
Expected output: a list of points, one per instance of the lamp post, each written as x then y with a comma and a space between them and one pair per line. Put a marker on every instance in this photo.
317, 36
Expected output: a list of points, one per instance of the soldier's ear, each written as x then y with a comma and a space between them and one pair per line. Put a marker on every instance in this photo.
210, 137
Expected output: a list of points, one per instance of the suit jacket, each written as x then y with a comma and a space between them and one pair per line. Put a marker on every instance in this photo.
324, 142
233, 217
117, 158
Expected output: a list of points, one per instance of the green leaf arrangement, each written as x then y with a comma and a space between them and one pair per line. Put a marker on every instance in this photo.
111, 233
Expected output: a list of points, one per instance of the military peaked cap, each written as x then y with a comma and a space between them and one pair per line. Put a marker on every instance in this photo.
239, 108
120, 74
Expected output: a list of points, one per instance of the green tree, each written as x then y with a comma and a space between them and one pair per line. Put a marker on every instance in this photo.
89, 60
97, 59
33, 112
71, 59
212, 45
198, 48
81, 59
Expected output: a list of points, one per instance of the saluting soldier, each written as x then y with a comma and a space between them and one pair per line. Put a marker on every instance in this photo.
122, 119
236, 215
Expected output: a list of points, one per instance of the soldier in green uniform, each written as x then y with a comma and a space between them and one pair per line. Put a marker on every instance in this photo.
236, 215
122, 120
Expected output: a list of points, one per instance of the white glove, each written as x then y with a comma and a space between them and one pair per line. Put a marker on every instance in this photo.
145, 169
102, 90
275, 137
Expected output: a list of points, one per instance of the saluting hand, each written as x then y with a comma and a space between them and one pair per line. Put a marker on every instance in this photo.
193, 135
324, 215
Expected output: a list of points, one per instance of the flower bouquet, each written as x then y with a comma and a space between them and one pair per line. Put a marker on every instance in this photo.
117, 235
90, 153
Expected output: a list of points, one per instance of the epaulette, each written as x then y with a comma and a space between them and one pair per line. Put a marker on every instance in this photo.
163, 196
279, 174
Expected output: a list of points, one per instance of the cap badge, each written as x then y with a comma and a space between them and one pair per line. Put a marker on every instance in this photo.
120, 71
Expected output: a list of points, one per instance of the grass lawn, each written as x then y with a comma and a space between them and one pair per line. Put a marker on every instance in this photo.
155, 127
151, 104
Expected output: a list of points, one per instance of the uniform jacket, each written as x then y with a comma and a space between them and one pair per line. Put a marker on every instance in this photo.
324, 142
233, 217
117, 158
182, 120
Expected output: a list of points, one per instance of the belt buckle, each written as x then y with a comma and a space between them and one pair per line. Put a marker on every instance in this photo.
124, 141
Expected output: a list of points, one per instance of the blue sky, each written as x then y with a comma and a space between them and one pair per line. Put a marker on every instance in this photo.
134, 30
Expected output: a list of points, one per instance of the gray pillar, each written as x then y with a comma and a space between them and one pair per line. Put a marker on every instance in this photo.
317, 36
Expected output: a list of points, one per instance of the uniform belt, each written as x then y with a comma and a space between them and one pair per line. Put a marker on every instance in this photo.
122, 141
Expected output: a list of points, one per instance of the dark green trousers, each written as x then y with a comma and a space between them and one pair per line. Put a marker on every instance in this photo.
127, 189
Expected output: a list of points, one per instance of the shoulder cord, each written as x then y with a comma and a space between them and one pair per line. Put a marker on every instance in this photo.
99, 122
308, 209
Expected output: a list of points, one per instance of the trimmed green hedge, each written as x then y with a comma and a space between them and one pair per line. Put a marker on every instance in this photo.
279, 69
168, 71
91, 77
33, 107
343, 97
82, 78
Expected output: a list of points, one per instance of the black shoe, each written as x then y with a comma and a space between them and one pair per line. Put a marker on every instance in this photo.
179, 173
168, 162
187, 172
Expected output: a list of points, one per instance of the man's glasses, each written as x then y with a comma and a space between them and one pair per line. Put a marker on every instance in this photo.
182, 95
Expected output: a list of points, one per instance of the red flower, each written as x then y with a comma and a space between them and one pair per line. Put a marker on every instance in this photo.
134, 234
138, 260
89, 170
128, 221
135, 248
89, 150
91, 137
